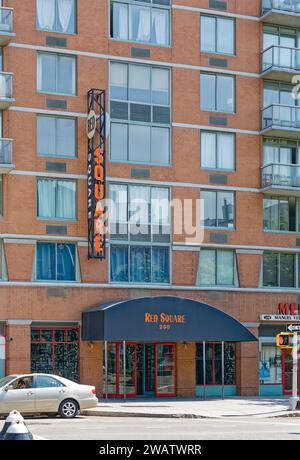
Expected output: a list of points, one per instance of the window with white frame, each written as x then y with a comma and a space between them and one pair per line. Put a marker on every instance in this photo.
217, 34
56, 15
56, 136
56, 73
217, 268
56, 199
146, 22
140, 113
217, 93
56, 262
140, 234
217, 150
280, 269
218, 209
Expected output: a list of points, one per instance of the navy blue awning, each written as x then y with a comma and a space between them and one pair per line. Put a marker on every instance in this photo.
161, 319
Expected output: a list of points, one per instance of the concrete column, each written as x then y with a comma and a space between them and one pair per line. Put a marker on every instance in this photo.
91, 368
19, 348
247, 371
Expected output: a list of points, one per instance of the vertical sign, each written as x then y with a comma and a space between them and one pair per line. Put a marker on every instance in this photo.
96, 133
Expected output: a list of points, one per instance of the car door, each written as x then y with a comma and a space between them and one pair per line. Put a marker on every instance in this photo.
49, 393
19, 395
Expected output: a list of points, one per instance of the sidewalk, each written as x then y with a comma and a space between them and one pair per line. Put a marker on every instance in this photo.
194, 408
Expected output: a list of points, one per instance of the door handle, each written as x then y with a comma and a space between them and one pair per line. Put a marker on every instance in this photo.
30, 393
62, 391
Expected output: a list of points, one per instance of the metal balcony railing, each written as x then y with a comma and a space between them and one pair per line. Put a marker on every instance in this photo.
281, 116
280, 175
6, 152
281, 57
289, 6
6, 20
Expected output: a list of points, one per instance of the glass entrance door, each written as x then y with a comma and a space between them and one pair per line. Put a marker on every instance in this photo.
165, 370
146, 369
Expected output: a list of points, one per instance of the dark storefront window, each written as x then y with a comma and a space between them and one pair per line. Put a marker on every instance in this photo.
55, 351
213, 364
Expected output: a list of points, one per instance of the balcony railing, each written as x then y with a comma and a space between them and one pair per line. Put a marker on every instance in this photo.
289, 6
281, 118
280, 175
6, 89
281, 57
6, 25
6, 155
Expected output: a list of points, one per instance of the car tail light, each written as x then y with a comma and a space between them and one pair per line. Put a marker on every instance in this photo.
94, 391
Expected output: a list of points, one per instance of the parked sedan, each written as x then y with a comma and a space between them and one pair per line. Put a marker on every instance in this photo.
44, 393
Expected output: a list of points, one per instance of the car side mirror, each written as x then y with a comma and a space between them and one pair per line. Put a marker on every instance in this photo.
9, 387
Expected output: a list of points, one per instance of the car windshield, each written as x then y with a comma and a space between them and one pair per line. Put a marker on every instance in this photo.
5, 380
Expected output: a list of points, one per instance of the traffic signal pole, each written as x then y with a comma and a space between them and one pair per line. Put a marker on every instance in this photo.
294, 398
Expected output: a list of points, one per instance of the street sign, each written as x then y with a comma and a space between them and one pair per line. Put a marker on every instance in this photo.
294, 327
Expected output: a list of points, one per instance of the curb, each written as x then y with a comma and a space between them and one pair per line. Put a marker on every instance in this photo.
92, 413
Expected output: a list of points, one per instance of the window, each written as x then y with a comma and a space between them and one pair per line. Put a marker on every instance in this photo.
3, 271
56, 15
217, 35
280, 47
56, 262
42, 381
148, 23
213, 364
217, 151
56, 199
218, 209
56, 74
140, 234
56, 136
270, 366
55, 351
140, 113
281, 151
281, 213
279, 269
217, 268
217, 93
24, 383
1, 196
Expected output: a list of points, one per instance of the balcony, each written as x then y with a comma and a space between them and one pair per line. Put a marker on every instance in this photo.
6, 156
280, 63
281, 12
6, 90
281, 120
281, 179
6, 25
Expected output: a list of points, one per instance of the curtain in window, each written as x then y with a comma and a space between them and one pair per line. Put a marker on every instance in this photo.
65, 10
118, 211
139, 206
140, 264
225, 268
66, 262
160, 22
160, 206
225, 151
208, 150
140, 18
65, 200
45, 261
46, 14
120, 21
206, 270
46, 198
160, 265
119, 263
160, 86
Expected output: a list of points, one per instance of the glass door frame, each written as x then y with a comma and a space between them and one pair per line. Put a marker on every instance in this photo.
284, 391
163, 395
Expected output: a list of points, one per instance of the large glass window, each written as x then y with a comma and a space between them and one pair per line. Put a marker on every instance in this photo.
56, 262
218, 209
148, 23
280, 47
56, 73
213, 364
217, 268
56, 199
2, 349
217, 35
56, 15
55, 351
1, 196
281, 213
270, 366
139, 234
56, 136
217, 150
140, 113
279, 270
217, 93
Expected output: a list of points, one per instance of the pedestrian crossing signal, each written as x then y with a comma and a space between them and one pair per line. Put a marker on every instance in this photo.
284, 340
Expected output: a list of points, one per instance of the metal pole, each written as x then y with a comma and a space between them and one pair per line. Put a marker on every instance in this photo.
204, 371
223, 370
294, 398
105, 368
124, 369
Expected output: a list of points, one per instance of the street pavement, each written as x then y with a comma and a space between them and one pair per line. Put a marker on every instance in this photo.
137, 428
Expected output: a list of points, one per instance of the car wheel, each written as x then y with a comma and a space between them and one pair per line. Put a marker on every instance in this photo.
68, 409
